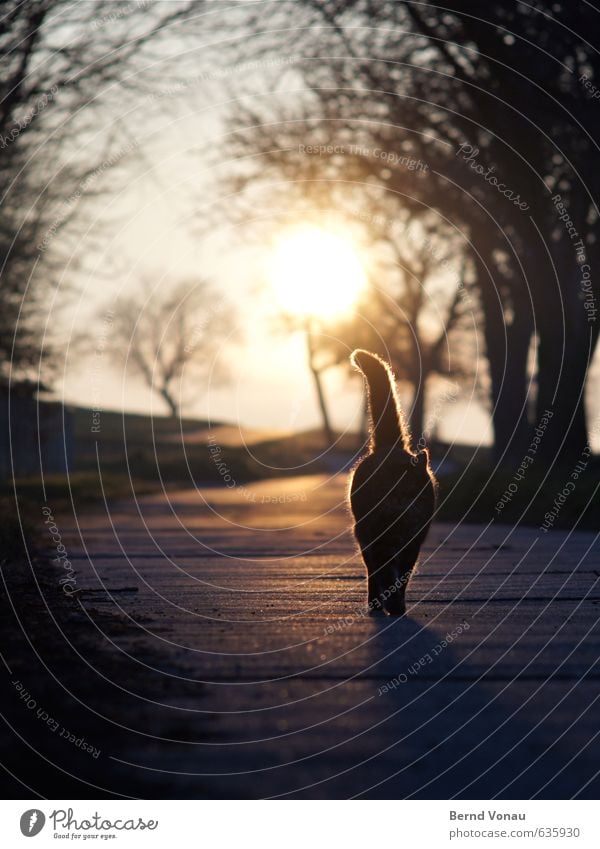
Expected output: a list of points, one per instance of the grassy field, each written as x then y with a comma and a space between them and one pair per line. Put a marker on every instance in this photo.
135, 454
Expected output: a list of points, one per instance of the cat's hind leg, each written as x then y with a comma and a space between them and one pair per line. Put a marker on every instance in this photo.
374, 585
400, 571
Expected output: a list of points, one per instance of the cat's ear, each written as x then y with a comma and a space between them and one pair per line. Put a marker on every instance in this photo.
423, 458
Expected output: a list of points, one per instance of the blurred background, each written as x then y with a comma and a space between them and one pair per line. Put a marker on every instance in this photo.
206, 207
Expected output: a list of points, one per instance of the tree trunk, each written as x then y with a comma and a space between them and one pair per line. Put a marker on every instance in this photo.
568, 336
170, 402
567, 344
561, 384
507, 350
316, 373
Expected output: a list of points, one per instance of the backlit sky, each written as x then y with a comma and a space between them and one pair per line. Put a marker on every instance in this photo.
270, 386
158, 222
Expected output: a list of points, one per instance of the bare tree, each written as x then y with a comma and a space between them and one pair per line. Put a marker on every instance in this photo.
64, 64
498, 100
169, 337
427, 317
318, 362
420, 310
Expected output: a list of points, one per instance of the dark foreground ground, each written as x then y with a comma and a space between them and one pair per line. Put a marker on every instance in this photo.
218, 647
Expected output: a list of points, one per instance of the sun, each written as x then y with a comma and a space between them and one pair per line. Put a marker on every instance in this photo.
316, 273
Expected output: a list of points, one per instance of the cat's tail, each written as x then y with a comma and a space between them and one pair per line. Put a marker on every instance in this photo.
388, 426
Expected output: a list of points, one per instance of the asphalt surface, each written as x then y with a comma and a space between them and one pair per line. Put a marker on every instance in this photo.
217, 645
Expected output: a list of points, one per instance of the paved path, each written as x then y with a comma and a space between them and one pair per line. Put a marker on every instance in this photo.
262, 676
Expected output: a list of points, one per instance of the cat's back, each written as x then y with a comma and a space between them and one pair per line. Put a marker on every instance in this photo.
391, 483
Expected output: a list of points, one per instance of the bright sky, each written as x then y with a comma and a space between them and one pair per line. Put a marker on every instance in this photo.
270, 385
161, 229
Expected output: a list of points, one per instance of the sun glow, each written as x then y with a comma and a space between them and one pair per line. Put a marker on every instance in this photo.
316, 274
